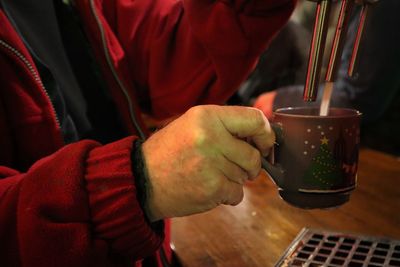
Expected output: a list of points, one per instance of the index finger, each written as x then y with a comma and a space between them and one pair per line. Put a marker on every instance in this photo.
250, 123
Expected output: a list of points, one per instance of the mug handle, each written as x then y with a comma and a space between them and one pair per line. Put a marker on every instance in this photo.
276, 173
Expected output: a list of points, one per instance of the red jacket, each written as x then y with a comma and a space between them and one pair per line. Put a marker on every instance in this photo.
75, 205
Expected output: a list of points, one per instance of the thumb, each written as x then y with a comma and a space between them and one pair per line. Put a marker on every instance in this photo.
250, 123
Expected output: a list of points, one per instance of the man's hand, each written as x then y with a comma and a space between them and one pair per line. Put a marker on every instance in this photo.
201, 159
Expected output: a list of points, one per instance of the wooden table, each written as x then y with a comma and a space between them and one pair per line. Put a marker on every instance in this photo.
257, 232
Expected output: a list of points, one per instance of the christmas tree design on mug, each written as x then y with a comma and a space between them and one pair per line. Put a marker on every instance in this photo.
330, 168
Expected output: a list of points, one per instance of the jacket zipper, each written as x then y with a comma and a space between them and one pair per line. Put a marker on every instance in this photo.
125, 91
114, 72
34, 73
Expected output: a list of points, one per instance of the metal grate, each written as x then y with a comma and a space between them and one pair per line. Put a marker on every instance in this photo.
322, 248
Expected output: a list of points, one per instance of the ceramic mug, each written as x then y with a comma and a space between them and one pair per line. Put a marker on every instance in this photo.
314, 162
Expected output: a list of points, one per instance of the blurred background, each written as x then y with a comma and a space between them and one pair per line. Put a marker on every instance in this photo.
278, 80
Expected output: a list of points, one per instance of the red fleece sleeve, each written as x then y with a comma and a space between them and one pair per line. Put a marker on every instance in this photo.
190, 52
84, 197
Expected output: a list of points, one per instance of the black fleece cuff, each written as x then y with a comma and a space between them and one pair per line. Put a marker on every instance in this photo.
141, 180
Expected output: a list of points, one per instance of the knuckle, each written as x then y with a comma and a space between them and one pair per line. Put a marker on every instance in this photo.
214, 188
200, 138
199, 113
236, 173
195, 111
258, 118
242, 176
271, 140
254, 160
200, 135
